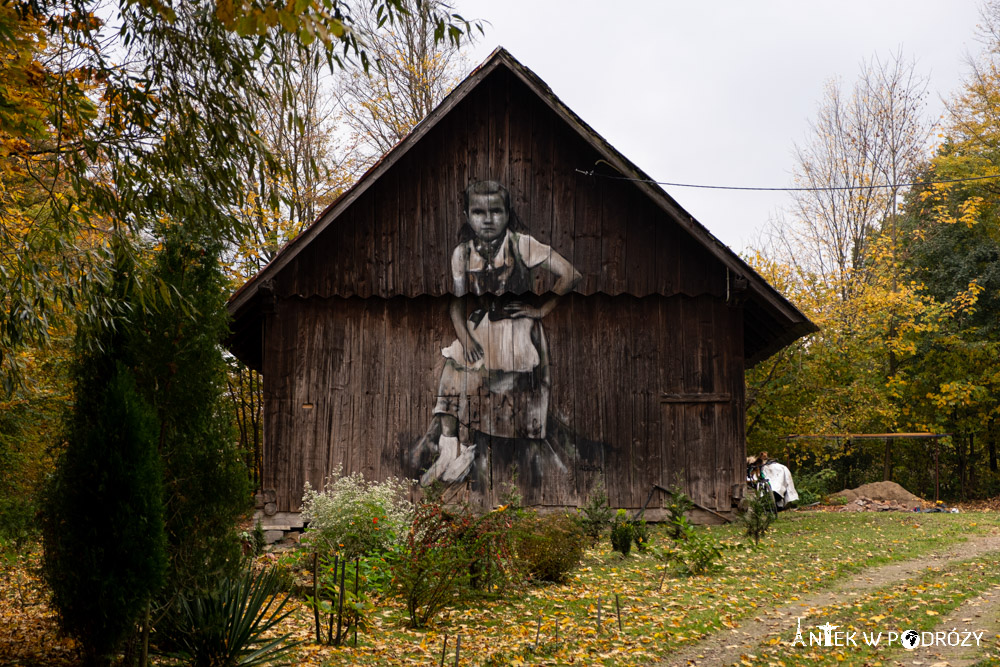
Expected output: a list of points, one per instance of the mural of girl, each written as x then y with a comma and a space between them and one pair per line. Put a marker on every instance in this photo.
496, 377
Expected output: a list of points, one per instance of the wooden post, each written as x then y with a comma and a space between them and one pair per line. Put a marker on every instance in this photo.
340, 603
458, 648
937, 471
538, 633
144, 656
357, 568
618, 610
329, 619
319, 636
444, 649
598, 613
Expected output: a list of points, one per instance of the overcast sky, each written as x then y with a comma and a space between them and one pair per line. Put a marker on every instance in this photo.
719, 92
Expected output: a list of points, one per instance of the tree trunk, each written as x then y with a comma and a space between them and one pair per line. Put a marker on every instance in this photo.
991, 444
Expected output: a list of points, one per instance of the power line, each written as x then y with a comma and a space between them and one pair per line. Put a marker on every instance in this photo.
881, 186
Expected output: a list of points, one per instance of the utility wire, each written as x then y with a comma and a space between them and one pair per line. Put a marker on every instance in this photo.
817, 189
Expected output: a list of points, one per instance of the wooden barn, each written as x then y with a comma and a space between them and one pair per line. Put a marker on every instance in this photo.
504, 297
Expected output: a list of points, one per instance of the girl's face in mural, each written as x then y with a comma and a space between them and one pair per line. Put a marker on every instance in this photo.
488, 216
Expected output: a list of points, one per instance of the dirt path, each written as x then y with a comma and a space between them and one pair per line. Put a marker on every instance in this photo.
725, 648
978, 614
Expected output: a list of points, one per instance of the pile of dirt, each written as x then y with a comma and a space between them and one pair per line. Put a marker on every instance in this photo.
882, 492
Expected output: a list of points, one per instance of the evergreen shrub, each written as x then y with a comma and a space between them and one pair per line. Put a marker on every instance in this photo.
622, 533
103, 529
595, 515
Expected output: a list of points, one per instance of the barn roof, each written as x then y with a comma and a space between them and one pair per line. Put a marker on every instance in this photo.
770, 321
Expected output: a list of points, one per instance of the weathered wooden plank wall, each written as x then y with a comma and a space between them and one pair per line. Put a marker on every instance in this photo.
352, 382
646, 356
397, 238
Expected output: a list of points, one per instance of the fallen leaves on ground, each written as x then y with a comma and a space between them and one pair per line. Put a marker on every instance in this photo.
29, 628
558, 624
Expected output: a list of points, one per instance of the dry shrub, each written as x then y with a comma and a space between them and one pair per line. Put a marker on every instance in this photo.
550, 546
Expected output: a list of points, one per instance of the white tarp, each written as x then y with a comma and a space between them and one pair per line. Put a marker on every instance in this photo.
780, 479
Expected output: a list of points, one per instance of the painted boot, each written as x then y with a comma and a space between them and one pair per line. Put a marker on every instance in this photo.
448, 451
459, 468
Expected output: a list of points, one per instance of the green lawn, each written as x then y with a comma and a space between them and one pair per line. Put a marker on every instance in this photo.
806, 552
916, 604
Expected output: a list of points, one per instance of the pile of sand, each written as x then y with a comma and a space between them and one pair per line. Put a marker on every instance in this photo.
883, 491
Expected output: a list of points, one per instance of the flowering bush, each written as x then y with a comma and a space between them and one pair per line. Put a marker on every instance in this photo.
448, 553
352, 517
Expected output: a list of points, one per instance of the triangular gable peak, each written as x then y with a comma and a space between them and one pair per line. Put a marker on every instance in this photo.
393, 233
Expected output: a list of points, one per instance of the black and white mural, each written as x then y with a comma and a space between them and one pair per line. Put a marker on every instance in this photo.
496, 380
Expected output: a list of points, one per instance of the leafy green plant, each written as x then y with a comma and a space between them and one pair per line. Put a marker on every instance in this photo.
640, 534
353, 526
549, 547
759, 514
622, 533
596, 513
489, 540
812, 487
677, 506
226, 627
695, 552
253, 540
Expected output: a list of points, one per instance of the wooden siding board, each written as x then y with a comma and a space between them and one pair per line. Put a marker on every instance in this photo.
640, 249
498, 88
724, 439
444, 184
587, 237
649, 362
738, 388
586, 418
520, 153
383, 216
614, 208
563, 214
542, 175
479, 136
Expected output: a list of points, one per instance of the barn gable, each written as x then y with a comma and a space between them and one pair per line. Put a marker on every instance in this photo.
503, 123
635, 377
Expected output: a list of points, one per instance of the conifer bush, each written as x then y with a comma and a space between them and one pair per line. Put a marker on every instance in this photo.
759, 514
105, 548
183, 375
678, 505
595, 515
622, 533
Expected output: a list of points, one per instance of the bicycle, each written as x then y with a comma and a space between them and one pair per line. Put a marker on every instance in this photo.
757, 482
